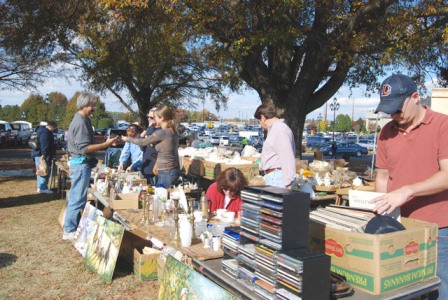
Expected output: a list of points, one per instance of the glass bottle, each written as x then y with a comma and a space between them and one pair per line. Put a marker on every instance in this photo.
204, 205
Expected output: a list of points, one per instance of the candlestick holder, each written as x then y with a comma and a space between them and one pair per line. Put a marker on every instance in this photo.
143, 198
147, 200
194, 239
176, 221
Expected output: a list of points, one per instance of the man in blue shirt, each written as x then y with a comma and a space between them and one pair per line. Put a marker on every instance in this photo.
47, 150
131, 151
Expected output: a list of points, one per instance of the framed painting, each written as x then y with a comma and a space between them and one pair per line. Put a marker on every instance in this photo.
181, 282
103, 247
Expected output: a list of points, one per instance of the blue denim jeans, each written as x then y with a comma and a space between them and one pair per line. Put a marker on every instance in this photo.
442, 262
42, 181
80, 179
274, 178
167, 178
150, 179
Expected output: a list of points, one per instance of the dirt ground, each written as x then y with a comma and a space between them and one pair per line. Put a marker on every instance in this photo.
35, 263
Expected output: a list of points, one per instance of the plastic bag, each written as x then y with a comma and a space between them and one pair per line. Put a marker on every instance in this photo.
42, 168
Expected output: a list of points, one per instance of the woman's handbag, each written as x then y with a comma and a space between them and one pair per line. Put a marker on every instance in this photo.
42, 168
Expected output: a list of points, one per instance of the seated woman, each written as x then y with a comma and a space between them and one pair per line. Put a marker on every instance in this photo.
131, 151
225, 192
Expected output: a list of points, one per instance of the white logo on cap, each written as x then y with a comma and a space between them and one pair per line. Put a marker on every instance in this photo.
387, 89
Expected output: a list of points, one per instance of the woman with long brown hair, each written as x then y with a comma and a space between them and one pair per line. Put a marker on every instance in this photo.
166, 143
225, 192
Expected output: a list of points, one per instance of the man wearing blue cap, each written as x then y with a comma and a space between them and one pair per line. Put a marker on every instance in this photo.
412, 163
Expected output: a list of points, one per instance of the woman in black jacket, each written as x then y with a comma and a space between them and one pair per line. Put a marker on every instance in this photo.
47, 149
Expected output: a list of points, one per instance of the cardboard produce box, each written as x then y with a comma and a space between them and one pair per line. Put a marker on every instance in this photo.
212, 169
249, 170
145, 265
193, 166
125, 201
380, 263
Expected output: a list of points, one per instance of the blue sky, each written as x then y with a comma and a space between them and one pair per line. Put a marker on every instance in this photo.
239, 105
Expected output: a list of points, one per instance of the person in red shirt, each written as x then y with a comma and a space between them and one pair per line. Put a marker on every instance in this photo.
412, 163
225, 192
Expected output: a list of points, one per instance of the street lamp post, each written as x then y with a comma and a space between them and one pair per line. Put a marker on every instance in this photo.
46, 103
319, 119
334, 107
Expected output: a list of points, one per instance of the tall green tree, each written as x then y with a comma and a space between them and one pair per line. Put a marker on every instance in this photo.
10, 113
299, 53
145, 55
31, 35
35, 108
343, 123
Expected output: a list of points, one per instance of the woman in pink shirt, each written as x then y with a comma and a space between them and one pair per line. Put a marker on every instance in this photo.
225, 192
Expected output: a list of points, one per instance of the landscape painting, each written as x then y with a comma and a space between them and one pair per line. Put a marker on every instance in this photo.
102, 248
181, 282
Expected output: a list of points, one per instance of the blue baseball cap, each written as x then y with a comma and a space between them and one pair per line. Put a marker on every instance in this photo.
394, 91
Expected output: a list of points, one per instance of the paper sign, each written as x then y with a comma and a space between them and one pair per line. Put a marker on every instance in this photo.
361, 199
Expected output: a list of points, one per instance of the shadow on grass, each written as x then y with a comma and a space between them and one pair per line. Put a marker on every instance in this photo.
27, 200
7, 259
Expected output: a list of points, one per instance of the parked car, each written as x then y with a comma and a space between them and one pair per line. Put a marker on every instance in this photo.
23, 131
351, 149
214, 140
7, 136
59, 138
99, 135
224, 141
317, 142
235, 141
369, 144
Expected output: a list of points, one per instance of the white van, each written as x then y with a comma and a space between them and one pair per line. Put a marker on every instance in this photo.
23, 131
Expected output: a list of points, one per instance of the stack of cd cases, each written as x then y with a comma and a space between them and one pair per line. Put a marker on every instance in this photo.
273, 221
303, 273
230, 242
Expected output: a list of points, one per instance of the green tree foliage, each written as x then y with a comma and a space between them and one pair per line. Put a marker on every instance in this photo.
105, 123
100, 113
343, 123
299, 53
35, 108
361, 125
71, 110
10, 113
322, 125
97, 118
145, 54
57, 104
31, 35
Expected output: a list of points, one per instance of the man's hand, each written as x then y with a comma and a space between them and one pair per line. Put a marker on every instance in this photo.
124, 138
388, 202
112, 141
120, 168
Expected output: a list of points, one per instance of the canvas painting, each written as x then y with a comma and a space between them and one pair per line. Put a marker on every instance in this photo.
86, 227
181, 282
103, 247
